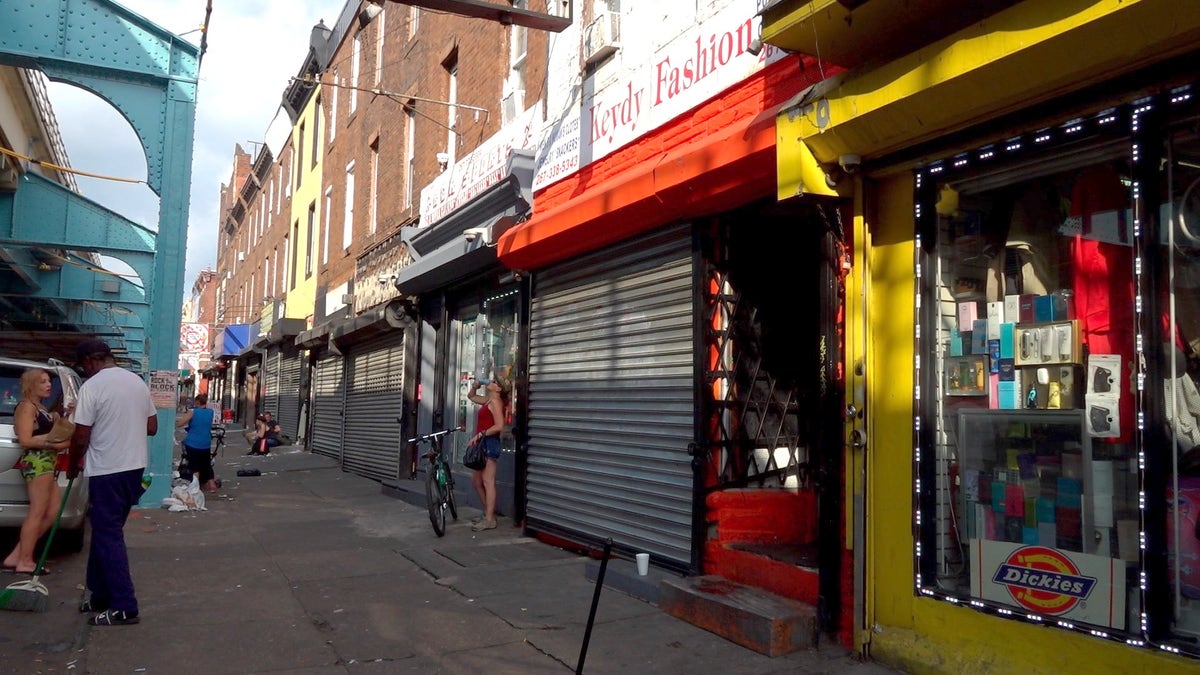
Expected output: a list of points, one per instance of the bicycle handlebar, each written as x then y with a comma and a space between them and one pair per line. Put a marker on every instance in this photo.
432, 435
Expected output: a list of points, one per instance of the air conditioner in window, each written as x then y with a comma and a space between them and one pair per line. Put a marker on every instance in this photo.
514, 104
241, 256
601, 37
347, 298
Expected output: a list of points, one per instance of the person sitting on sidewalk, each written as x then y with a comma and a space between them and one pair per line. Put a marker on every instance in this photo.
266, 435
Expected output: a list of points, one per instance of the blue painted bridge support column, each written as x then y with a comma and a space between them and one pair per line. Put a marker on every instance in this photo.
149, 75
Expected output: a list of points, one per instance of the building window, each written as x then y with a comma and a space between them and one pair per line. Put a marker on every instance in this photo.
288, 254
451, 110
379, 37
310, 246
373, 193
1057, 396
318, 113
299, 169
333, 105
292, 276
355, 61
514, 94
325, 226
348, 218
410, 152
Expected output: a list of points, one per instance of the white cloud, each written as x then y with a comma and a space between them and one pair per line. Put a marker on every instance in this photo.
253, 48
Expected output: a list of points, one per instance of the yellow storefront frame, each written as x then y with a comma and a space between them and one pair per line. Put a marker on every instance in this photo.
920, 634
1029, 53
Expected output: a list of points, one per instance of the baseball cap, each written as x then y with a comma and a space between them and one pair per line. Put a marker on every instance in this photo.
90, 347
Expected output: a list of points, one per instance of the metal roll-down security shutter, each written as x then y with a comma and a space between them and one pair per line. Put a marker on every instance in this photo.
328, 402
270, 382
374, 399
611, 396
287, 409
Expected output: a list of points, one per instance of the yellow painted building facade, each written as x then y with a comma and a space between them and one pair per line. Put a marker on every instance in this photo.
306, 235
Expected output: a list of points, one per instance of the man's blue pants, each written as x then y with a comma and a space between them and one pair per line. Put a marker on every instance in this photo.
111, 497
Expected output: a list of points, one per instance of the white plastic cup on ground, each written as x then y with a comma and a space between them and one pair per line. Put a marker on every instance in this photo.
643, 563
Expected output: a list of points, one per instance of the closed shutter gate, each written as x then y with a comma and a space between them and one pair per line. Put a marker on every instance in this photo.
287, 410
374, 399
328, 403
611, 396
270, 383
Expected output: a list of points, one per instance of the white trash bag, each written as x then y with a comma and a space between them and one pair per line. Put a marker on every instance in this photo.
196, 494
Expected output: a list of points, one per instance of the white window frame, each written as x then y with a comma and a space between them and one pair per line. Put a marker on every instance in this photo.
452, 116
348, 217
310, 241
410, 154
379, 38
287, 258
333, 104
355, 61
325, 226
373, 222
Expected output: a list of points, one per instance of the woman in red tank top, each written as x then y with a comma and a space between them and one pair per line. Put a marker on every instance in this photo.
488, 427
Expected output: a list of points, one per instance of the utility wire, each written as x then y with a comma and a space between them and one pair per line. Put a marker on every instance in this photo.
67, 169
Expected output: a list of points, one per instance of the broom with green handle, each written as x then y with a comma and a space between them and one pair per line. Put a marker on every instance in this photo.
32, 595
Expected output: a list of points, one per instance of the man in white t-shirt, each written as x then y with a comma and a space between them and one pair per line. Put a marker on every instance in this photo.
113, 406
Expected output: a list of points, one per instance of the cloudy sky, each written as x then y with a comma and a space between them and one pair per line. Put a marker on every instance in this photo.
253, 48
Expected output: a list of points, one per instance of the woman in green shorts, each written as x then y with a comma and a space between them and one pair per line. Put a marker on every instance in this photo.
33, 422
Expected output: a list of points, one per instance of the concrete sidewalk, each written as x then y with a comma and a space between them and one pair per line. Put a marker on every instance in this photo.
306, 569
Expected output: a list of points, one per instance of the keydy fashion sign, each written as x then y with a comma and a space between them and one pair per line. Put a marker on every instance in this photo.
695, 66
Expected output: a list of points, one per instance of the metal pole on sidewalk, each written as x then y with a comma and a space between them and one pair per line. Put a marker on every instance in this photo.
587, 634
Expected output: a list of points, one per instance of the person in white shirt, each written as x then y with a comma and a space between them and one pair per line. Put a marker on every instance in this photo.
113, 417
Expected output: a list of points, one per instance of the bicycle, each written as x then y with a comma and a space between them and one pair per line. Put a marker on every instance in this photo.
218, 434
439, 481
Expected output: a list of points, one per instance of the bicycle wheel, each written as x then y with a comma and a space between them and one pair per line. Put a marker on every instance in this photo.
450, 491
433, 499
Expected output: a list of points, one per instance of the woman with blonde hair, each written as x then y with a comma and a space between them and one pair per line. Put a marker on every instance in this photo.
488, 427
33, 422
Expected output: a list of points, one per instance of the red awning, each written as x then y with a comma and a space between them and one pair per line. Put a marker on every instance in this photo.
719, 171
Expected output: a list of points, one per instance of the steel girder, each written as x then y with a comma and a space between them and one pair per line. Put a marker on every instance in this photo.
149, 75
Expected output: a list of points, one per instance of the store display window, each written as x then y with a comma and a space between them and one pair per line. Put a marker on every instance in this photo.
486, 349
1057, 443
1178, 271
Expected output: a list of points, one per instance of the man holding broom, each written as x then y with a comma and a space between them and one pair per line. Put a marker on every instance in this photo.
113, 409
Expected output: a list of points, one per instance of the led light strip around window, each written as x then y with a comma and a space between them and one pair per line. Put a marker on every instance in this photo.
1014, 148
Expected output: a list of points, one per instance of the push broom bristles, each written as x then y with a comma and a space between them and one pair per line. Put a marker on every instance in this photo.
32, 595
25, 596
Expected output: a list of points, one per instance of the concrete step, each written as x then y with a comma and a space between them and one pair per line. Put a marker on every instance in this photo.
750, 617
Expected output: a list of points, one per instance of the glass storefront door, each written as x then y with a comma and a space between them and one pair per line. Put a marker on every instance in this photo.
484, 339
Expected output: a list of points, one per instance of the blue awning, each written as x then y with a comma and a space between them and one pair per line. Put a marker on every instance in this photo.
232, 340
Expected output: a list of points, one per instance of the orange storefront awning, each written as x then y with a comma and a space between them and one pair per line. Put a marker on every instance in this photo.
719, 171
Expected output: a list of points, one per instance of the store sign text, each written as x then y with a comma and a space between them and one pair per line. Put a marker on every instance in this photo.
685, 73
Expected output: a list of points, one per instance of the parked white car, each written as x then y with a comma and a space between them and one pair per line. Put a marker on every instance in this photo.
14, 498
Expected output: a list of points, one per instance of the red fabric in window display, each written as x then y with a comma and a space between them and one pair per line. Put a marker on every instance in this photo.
1103, 281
